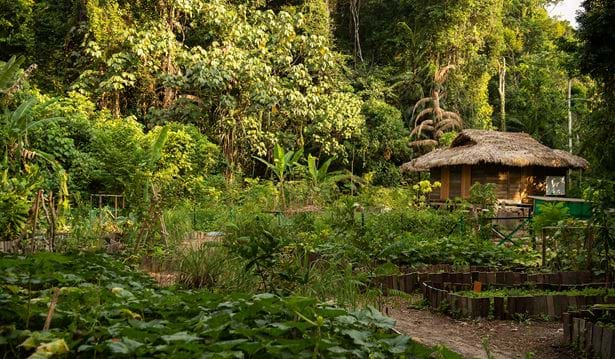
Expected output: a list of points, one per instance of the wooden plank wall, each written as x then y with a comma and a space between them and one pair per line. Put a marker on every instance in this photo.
466, 181
455, 182
513, 183
445, 176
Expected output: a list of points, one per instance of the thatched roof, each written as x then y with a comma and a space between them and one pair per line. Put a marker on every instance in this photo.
515, 149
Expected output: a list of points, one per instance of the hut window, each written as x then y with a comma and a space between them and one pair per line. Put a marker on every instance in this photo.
556, 186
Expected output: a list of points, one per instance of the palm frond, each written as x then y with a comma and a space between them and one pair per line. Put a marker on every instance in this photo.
423, 113
453, 116
426, 125
424, 143
449, 124
440, 75
420, 102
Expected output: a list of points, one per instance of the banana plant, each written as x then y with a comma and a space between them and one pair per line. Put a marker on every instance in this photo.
284, 162
8, 73
15, 124
320, 175
154, 212
14, 128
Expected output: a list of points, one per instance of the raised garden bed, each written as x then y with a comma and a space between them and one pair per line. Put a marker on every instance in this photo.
499, 306
591, 332
457, 281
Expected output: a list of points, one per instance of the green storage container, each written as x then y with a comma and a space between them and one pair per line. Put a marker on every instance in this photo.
577, 207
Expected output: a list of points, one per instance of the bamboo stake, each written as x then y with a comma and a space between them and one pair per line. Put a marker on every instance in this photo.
54, 216
544, 247
35, 219
590, 247
47, 216
52, 308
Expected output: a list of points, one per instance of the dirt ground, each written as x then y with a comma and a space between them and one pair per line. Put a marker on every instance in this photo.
505, 339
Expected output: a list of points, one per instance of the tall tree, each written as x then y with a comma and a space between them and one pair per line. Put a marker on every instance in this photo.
597, 58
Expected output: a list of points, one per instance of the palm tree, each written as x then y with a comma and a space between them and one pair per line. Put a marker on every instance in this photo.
432, 122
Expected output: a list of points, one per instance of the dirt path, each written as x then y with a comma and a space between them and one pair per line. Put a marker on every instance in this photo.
506, 339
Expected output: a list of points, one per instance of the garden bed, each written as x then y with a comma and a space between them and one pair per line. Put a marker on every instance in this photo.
457, 281
591, 332
501, 305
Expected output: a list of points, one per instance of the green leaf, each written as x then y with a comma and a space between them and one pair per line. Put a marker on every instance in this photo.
180, 336
123, 346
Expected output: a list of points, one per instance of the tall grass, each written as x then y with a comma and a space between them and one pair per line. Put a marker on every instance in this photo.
212, 266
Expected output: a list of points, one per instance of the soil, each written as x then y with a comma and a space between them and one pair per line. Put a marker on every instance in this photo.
505, 339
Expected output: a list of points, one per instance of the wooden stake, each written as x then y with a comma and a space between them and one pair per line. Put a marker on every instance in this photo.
52, 225
590, 248
544, 247
52, 307
47, 215
39, 195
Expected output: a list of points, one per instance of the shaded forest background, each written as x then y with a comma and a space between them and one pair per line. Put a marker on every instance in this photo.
339, 78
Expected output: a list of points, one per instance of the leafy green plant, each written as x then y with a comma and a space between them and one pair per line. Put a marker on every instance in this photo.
550, 215
106, 309
483, 196
283, 164
319, 174
422, 191
602, 197
485, 200
15, 194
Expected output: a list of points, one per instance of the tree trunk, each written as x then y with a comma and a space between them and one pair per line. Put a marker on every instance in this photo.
355, 6
502, 92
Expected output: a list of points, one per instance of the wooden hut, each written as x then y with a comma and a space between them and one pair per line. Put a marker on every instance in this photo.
516, 163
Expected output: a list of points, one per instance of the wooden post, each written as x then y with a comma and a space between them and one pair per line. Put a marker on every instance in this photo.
446, 183
544, 247
466, 178
115, 206
52, 223
52, 307
39, 195
589, 247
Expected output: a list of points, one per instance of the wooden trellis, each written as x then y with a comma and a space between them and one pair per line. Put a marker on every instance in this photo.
101, 199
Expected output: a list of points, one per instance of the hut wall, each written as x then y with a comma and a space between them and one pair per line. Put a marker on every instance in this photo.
466, 180
536, 178
497, 175
511, 183
446, 182
516, 185
435, 175
455, 182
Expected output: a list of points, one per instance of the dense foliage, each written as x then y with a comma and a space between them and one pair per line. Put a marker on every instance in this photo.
105, 309
249, 75
279, 127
